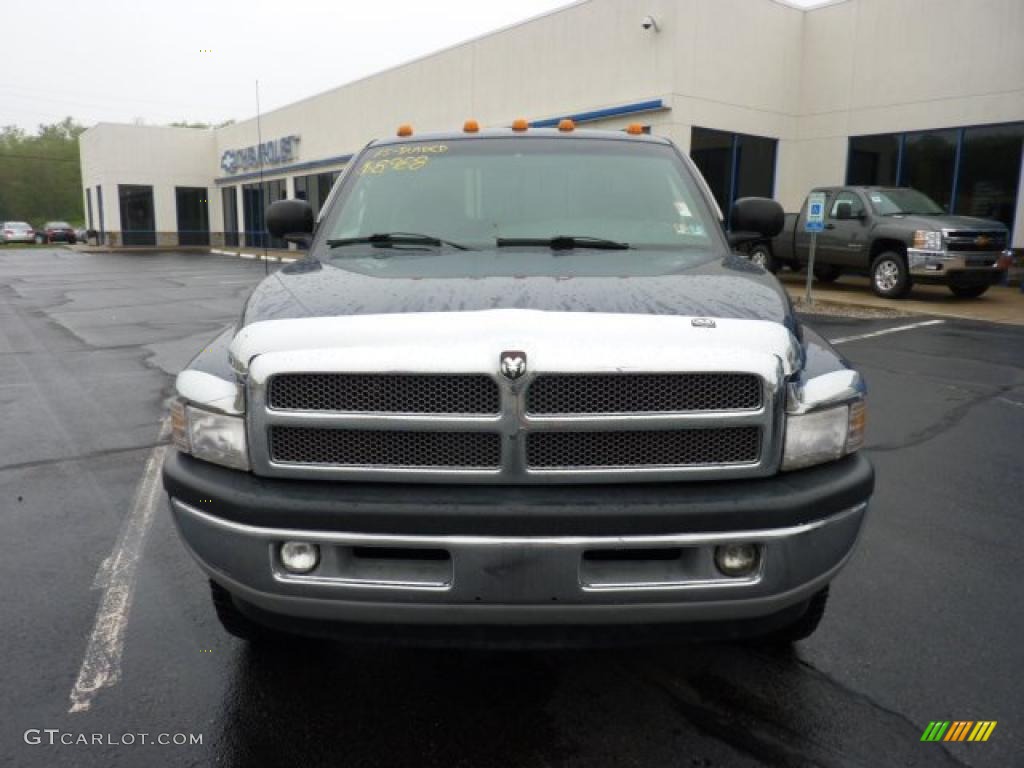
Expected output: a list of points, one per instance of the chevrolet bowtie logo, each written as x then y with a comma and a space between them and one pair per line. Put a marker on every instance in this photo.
982, 240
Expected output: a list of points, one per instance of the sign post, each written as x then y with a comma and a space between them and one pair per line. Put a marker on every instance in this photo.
814, 224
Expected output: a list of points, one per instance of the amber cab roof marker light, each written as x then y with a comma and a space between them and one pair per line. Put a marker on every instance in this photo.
566, 125
520, 124
635, 129
471, 126
404, 130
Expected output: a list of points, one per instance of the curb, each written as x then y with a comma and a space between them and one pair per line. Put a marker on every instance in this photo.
256, 256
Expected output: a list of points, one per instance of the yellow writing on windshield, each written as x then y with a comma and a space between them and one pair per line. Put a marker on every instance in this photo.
377, 167
411, 149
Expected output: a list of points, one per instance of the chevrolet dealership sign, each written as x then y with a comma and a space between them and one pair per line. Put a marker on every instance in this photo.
274, 152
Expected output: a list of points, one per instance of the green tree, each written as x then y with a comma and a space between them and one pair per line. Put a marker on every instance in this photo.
40, 175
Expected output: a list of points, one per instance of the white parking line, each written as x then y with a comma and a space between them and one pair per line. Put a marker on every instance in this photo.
101, 666
886, 331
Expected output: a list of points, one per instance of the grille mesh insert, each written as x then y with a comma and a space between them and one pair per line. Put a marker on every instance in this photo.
671, 448
643, 393
384, 393
377, 448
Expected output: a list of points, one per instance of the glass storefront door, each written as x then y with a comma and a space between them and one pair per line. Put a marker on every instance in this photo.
138, 223
193, 215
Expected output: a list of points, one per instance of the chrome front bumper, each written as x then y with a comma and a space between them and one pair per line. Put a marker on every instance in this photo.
385, 579
938, 263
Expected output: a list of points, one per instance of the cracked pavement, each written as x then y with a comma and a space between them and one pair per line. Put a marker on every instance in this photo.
923, 624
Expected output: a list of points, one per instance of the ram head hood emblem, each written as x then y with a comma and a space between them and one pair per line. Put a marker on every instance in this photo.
513, 364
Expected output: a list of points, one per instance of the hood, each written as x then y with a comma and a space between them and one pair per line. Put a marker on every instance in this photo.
948, 222
403, 282
474, 341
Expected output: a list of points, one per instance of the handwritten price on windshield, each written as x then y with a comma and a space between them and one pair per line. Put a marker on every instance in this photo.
376, 167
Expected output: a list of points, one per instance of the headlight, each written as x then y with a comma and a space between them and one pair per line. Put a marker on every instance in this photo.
213, 437
927, 240
825, 435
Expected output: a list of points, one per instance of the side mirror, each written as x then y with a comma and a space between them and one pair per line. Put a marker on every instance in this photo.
755, 218
844, 211
291, 220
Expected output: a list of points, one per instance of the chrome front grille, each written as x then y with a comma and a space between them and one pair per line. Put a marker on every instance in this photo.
384, 393
378, 448
648, 448
981, 241
621, 393
310, 417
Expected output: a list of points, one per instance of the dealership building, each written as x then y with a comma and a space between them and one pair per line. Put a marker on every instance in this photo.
768, 99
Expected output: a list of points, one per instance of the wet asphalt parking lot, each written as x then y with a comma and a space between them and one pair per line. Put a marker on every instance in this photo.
924, 624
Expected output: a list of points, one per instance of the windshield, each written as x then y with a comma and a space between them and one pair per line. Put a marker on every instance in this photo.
57, 225
893, 202
16, 225
474, 193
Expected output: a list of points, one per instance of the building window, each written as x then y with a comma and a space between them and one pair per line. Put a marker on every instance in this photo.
734, 164
968, 171
873, 160
928, 161
138, 224
755, 166
99, 205
229, 203
255, 201
712, 153
990, 165
315, 188
193, 215
253, 210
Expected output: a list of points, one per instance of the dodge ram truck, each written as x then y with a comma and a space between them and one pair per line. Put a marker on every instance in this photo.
895, 235
521, 389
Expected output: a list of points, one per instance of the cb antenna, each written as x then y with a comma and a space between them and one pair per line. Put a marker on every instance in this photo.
263, 189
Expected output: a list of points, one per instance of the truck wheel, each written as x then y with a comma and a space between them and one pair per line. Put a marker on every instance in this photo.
827, 273
968, 290
803, 627
234, 621
761, 254
890, 278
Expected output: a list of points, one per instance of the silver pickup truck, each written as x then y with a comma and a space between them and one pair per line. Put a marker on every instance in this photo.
520, 389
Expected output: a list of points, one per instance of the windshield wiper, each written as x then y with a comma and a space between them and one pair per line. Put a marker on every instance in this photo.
564, 243
388, 239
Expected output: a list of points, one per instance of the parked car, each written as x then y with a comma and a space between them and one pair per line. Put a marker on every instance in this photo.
55, 232
16, 232
552, 402
897, 236
81, 234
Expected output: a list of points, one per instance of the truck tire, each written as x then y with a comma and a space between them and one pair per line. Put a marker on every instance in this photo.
761, 254
968, 290
234, 621
890, 277
827, 273
803, 627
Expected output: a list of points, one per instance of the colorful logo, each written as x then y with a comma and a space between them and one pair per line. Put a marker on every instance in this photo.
958, 730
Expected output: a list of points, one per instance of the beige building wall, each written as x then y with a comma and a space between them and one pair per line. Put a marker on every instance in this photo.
810, 79
883, 66
161, 157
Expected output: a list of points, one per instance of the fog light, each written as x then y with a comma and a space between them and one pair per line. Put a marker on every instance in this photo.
299, 556
737, 559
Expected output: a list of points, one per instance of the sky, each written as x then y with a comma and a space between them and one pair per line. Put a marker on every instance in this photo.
160, 61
